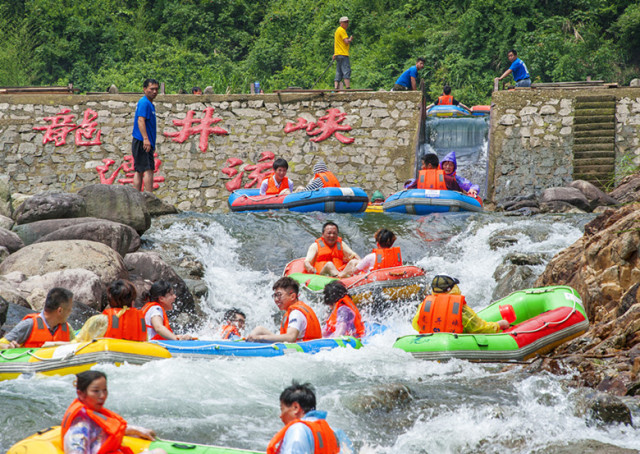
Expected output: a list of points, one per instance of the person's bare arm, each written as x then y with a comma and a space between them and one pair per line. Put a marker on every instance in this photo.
290, 336
311, 258
142, 125
413, 83
505, 74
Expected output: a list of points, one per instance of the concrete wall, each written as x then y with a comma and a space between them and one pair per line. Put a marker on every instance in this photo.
382, 156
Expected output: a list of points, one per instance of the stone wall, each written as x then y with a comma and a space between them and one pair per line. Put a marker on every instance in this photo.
531, 138
384, 128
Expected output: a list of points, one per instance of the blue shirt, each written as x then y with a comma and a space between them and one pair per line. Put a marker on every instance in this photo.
299, 439
147, 110
405, 78
519, 70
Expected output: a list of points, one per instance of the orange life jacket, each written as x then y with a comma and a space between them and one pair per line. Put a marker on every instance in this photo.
387, 257
431, 179
230, 330
329, 180
327, 254
441, 313
313, 330
165, 320
330, 325
324, 440
129, 325
111, 423
272, 189
41, 334
445, 100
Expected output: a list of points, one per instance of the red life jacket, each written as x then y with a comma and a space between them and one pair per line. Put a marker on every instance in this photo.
330, 324
41, 334
327, 254
324, 440
445, 100
313, 330
387, 258
329, 180
129, 325
431, 179
441, 313
272, 189
111, 423
230, 330
165, 320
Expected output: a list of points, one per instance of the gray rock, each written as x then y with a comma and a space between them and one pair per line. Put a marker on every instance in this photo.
11, 293
4, 253
628, 190
5, 196
634, 83
516, 272
80, 314
500, 241
13, 314
50, 205
528, 200
10, 240
6, 222
118, 237
568, 195
197, 287
117, 203
42, 258
30, 233
557, 206
86, 286
157, 206
4, 307
595, 196
608, 409
18, 199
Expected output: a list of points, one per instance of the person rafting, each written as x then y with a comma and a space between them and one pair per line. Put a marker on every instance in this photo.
160, 298
446, 310
384, 255
277, 181
322, 178
234, 321
89, 428
329, 255
345, 319
449, 165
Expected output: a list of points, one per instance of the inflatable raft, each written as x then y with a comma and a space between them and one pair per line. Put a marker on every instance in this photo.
76, 357
387, 284
329, 200
427, 201
48, 441
544, 318
208, 349
447, 111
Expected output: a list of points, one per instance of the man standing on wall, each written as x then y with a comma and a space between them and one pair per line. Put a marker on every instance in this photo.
341, 43
519, 70
143, 144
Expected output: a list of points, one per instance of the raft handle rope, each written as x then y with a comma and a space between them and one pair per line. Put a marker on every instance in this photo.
254, 198
221, 347
34, 355
546, 324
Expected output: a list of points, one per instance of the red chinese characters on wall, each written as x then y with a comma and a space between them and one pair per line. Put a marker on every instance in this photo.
202, 126
328, 125
257, 172
127, 169
64, 122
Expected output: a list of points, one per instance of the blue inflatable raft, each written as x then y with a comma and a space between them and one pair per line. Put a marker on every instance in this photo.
427, 201
447, 111
329, 200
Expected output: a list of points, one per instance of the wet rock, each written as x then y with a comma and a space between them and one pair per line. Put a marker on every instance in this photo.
194, 268
86, 286
524, 212
571, 196
594, 195
122, 204
385, 398
119, 237
613, 386
515, 273
584, 447
157, 206
6, 222
12, 317
50, 205
608, 409
501, 241
628, 190
528, 200
80, 314
10, 240
558, 206
197, 287
30, 233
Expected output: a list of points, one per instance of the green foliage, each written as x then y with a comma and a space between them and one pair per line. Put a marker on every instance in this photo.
282, 43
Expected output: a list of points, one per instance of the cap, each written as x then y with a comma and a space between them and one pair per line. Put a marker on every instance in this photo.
442, 283
344, 19
377, 195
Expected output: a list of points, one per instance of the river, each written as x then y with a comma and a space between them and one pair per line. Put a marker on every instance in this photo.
383, 398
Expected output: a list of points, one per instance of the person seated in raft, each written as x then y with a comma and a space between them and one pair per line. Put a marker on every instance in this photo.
322, 178
329, 255
300, 322
446, 99
234, 320
48, 326
345, 319
277, 182
160, 298
449, 165
89, 428
384, 255
306, 430
430, 177
377, 198
440, 314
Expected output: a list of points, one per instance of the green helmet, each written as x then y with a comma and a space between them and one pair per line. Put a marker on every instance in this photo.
377, 195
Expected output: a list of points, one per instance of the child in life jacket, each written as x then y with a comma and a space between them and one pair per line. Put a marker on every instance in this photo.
160, 298
384, 255
234, 320
88, 427
345, 319
449, 164
277, 182
429, 178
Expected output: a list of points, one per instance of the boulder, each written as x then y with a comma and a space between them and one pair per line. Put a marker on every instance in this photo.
157, 206
4, 253
608, 409
594, 195
559, 206
30, 233
628, 190
50, 205
80, 314
522, 201
117, 203
119, 237
5, 196
4, 307
42, 258
10, 240
12, 317
568, 195
10, 292
86, 286
6, 223
515, 273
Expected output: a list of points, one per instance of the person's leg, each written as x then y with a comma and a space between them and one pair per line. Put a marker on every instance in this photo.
147, 177
137, 181
329, 269
338, 78
349, 269
346, 72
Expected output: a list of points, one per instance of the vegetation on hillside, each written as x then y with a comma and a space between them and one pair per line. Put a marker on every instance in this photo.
282, 43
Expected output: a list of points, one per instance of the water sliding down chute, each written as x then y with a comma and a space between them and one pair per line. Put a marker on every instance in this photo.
328, 200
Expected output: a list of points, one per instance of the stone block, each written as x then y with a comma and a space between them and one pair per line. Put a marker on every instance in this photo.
508, 120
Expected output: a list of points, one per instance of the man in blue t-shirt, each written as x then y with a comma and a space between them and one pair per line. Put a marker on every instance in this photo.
519, 70
409, 79
143, 144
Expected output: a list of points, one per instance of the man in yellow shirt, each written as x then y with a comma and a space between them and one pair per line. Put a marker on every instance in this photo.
341, 42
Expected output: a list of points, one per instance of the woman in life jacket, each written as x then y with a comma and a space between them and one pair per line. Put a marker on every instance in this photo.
449, 164
89, 428
159, 299
384, 255
234, 320
345, 319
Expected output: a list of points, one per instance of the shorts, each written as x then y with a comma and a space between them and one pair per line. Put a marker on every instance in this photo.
343, 68
142, 161
397, 87
524, 82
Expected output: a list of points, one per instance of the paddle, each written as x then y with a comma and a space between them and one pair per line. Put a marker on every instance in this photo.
323, 73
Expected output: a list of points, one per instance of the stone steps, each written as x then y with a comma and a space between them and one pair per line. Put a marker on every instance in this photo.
603, 146
593, 163
586, 140
592, 119
590, 112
